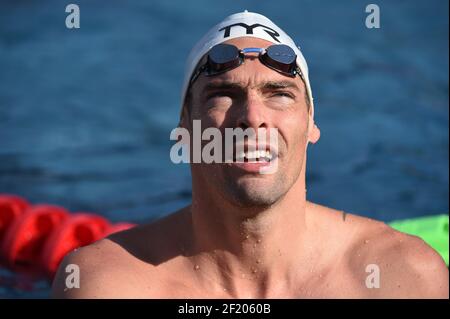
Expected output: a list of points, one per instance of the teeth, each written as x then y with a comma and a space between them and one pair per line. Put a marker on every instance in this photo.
254, 155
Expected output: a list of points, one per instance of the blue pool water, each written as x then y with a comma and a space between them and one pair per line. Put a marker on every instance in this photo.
85, 115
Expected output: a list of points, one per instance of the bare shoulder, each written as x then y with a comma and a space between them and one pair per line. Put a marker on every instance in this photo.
407, 266
100, 270
127, 264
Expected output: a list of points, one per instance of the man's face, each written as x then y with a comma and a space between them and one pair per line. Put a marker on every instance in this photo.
253, 96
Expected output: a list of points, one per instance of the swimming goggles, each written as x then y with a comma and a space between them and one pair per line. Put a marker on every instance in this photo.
225, 57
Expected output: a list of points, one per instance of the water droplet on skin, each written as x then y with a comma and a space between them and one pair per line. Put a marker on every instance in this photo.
258, 241
254, 270
247, 236
366, 241
196, 267
258, 261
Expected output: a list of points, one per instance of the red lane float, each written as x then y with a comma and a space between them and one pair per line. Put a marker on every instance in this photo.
11, 207
38, 237
78, 230
25, 238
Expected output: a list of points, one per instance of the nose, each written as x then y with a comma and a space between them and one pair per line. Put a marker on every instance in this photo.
252, 114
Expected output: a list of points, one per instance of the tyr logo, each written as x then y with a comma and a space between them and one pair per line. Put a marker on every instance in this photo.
249, 29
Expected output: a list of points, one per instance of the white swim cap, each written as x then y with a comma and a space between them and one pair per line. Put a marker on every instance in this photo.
243, 24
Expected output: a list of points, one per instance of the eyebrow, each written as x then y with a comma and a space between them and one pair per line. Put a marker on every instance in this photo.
276, 85
222, 85
268, 85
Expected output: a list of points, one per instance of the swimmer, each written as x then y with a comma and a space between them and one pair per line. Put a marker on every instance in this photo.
251, 235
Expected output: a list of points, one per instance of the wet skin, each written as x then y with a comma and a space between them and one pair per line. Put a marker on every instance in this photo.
248, 235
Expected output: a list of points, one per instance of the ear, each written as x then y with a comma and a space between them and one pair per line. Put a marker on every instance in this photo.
313, 132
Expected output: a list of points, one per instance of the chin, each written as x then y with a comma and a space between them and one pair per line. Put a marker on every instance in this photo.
253, 192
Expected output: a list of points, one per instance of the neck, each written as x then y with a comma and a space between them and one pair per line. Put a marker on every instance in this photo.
250, 251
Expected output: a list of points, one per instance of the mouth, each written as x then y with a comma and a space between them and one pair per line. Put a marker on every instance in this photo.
254, 159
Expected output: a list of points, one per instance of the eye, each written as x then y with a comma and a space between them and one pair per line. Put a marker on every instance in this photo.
283, 94
215, 94
220, 93
219, 99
